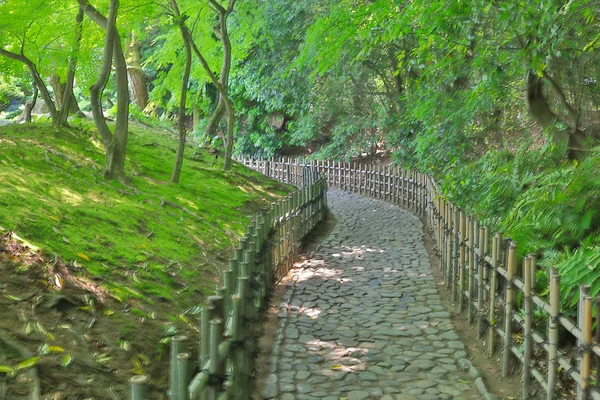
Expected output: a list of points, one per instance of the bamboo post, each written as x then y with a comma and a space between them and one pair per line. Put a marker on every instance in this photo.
508, 310
493, 283
456, 252
480, 282
486, 252
215, 364
464, 222
139, 387
450, 242
177, 346
585, 359
553, 332
597, 341
183, 375
527, 340
443, 238
472, 229
204, 353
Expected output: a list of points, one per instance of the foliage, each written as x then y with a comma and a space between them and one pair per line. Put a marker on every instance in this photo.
9, 90
549, 205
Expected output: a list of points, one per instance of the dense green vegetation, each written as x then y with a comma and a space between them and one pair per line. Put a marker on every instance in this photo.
498, 100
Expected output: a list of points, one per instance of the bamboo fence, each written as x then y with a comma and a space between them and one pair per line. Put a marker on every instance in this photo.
485, 277
230, 321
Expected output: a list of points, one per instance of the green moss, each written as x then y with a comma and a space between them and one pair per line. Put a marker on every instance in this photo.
169, 237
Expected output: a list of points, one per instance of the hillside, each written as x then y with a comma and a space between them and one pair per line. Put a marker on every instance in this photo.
98, 275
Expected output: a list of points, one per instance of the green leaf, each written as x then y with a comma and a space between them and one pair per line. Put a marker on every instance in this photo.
66, 360
7, 369
30, 362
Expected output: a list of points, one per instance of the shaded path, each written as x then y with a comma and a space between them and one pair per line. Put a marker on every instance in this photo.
364, 318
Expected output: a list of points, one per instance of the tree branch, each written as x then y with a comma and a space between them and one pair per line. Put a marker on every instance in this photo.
93, 13
561, 94
216, 5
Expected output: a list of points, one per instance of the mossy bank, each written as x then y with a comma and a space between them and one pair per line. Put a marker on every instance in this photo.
137, 257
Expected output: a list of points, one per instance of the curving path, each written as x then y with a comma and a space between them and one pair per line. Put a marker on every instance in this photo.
364, 319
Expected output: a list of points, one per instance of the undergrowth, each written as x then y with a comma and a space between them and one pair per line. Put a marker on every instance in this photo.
546, 203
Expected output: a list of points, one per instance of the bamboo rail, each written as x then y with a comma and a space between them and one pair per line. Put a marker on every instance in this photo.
230, 322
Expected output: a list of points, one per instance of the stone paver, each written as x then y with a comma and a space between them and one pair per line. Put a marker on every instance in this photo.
363, 319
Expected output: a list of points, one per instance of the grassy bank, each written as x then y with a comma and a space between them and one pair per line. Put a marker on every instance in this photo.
120, 267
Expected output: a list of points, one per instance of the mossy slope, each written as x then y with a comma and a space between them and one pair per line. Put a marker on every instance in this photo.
133, 261
147, 239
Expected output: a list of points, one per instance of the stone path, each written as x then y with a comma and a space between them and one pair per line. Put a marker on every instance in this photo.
363, 318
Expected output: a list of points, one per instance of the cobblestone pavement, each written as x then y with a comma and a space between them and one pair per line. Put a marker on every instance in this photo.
364, 319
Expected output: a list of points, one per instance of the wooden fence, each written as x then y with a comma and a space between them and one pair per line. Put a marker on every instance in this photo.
485, 277
230, 322
389, 183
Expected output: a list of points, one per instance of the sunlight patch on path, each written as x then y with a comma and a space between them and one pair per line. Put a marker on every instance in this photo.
362, 319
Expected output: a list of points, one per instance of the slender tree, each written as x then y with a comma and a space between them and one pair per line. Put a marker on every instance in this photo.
37, 79
114, 143
69, 102
182, 134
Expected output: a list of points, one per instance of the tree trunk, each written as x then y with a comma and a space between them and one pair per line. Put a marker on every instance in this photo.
70, 104
116, 168
221, 84
98, 86
114, 143
215, 118
539, 109
59, 90
137, 78
37, 79
184, 84
30, 104
229, 137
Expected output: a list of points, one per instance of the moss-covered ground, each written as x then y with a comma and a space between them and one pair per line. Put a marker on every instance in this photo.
136, 258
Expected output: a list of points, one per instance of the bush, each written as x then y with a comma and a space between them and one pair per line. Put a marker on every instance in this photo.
546, 203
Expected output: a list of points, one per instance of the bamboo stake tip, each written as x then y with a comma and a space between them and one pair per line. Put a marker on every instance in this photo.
179, 338
139, 379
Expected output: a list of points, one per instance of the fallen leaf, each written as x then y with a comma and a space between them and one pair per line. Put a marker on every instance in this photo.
84, 256
54, 218
56, 349
103, 358
335, 367
30, 362
66, 360
58, 281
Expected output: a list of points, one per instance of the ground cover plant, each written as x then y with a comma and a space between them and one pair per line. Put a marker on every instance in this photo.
97, 275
